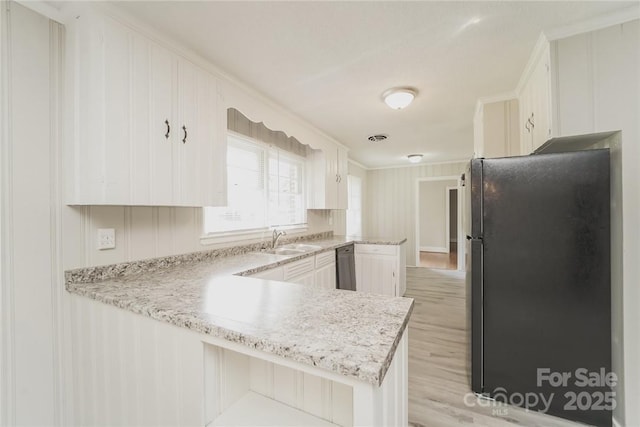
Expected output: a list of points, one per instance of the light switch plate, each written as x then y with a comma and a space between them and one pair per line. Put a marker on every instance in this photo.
106, 238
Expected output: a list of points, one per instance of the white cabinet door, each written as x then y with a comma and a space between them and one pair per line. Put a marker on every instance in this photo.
541, 84
187, 143
342, 171
99, 55
331, 177
327, 179
163, 128
307, 279
115, 107
535, 104
381, 269
326, 276
376, 274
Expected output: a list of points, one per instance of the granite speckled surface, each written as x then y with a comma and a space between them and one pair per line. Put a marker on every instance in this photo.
349, 333
104, 272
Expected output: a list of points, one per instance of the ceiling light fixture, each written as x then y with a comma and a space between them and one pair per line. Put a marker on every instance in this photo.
399, 97
414, 158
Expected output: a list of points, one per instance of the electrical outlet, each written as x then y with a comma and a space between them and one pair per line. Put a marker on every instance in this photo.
106, 238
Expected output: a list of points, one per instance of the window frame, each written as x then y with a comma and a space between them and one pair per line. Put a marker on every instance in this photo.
213, 237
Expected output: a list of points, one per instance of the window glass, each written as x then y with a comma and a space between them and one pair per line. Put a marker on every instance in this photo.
265, 187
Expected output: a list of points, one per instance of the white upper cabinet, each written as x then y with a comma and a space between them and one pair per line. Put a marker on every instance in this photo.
327, 179
535, 100
145, 125
342, 172
496, 129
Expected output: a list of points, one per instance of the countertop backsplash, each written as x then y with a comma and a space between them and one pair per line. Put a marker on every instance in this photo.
106, 272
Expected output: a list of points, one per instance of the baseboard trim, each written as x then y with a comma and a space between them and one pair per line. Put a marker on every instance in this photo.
434, 249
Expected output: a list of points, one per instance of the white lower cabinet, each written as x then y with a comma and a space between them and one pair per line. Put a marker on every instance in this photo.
380, 269
325, 273
301, 272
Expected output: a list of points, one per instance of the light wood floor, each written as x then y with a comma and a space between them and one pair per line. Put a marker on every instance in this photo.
440, 260
438, 378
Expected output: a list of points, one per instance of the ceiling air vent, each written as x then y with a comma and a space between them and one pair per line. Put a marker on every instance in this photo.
377, 138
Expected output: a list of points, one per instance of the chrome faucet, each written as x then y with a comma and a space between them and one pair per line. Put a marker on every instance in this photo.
276, 236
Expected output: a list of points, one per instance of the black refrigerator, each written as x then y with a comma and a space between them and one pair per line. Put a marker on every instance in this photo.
538, 282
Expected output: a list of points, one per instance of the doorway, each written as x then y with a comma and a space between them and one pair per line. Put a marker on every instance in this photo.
438, 223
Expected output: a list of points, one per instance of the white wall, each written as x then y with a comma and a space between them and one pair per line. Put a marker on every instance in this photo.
433, 210
598, 89
391, 200
356, 169
30, 385
145, 232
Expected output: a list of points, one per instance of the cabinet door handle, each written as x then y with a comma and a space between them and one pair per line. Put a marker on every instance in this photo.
339, 178
184, 140
166, 135
336, 177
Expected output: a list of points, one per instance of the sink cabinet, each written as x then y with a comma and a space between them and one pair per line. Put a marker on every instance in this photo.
325, 271
301, 272
318, 270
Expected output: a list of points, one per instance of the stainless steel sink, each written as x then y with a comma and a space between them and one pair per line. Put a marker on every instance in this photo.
302, 247
284, 251
293, 249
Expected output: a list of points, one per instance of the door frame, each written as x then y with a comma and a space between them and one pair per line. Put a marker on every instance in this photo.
447, 219
458, 187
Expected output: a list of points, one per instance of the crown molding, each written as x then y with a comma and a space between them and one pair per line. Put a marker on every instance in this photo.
501, 97
538, 50
358, 164
44, 8
603, 21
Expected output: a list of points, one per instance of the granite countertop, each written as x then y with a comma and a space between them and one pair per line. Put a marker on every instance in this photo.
349, 333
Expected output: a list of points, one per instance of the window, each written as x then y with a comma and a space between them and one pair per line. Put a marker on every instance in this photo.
354, 209
265, 188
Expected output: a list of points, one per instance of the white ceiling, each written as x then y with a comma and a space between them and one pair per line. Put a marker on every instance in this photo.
329, 62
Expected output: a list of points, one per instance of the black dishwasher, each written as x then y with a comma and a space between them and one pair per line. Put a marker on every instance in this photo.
346, 268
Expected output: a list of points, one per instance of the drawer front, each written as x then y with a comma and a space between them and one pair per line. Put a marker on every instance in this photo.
298, 267
325, 258
376, 249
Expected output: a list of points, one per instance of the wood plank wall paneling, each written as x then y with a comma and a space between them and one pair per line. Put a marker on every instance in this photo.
597, 89
390, 204
132, 370
148, 232
356, 170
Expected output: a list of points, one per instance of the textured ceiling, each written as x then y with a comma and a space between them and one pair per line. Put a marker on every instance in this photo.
329, 62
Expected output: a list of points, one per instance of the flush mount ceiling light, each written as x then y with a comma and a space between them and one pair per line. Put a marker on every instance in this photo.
399, 97
414, 158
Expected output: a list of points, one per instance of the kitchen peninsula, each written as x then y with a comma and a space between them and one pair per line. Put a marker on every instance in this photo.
228, 350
